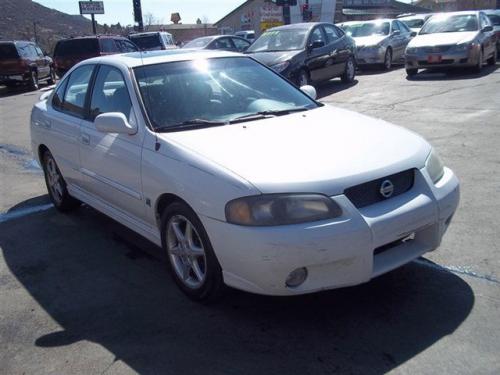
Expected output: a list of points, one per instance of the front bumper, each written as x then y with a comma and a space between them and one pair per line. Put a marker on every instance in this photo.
13, 78
422, 60
349, 250
370, 55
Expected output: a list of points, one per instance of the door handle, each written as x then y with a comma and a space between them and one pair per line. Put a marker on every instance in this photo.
333, 53
85, 139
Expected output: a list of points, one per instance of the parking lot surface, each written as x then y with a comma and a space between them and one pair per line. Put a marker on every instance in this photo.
81, 294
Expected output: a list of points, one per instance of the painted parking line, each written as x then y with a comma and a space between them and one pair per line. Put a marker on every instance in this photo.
16, 214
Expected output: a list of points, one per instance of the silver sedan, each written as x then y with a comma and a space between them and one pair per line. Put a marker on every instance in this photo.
453, 40
380, 41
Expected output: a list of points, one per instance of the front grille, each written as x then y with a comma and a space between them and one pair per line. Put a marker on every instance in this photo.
436, 49
368, 193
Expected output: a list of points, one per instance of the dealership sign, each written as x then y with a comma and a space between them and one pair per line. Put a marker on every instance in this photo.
91, 7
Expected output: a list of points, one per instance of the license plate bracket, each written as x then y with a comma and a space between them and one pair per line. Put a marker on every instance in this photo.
433, 59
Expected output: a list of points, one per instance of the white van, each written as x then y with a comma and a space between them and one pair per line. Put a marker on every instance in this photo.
154, 40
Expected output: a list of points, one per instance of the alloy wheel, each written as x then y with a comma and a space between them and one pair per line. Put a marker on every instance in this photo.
54, 180
350, 69
186, 252
388, 59
34, 80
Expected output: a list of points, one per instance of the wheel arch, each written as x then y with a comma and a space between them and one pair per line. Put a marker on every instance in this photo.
42, 149
165, 200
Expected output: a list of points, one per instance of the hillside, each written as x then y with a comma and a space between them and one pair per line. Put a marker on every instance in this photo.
17, 17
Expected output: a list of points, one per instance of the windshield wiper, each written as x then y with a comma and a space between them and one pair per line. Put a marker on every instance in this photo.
267, 114
197, 123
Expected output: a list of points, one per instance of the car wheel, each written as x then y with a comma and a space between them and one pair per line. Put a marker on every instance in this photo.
410, 72
493, 59
388, 59
479, 65
303, 78
56, 185
350, 71
52, 77
33, 82
192, 261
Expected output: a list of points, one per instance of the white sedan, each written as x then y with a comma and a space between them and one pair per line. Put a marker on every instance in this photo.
243, 179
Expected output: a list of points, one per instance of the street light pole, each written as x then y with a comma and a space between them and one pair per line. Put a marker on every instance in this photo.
93, 22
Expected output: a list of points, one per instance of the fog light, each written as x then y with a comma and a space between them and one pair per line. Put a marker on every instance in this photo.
296, 277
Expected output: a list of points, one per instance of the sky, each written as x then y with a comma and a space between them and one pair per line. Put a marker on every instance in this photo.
121, 10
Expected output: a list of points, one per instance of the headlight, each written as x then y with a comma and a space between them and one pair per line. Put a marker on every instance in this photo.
281, 209
371, 48
280, 67
434, 166
461, 47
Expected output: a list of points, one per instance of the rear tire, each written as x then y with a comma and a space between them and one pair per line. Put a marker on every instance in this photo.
350, 71
411, 72
56, 186
191, 258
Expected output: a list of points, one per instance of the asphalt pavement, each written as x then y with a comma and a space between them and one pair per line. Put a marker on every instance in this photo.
80, 294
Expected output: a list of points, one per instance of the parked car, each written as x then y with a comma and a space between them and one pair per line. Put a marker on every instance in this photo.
69, 52
23, 62
415, 21
494, 16
380, 41
241, 177
456, 39
307, 53
222, 42
246, 34
154, 40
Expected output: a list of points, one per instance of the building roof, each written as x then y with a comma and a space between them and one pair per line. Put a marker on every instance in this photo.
233, 12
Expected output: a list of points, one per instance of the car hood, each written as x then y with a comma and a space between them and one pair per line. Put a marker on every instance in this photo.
371, 40
324, 150
438, 39
272, 58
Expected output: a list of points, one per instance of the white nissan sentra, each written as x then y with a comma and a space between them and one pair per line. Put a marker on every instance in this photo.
242, 178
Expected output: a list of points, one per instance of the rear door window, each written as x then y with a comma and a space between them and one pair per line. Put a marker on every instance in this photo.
75, 47
76, 91
240, 44
126, 46
331, 33
146, 41
8, 51
222, 43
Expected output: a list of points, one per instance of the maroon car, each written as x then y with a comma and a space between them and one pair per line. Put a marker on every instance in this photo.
23, 62
69, 52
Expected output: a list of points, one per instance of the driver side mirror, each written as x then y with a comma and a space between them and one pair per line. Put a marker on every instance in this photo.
316, 44
309, 91
396, 32
114, 122
487, 29
413, 33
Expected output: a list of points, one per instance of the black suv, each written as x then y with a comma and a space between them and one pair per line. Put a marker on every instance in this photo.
69, 52
24, 62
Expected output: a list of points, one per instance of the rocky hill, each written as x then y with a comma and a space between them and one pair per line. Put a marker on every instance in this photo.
17, 19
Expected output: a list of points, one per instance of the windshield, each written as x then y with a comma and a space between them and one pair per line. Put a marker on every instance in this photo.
367, 29
146, 41
8, 51
450, 24
198, 43
280, 40
495, 19
415, 23
74, 47
213, 90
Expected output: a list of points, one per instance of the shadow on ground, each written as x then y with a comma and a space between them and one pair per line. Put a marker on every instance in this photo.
452, 74
109, 292
332, 87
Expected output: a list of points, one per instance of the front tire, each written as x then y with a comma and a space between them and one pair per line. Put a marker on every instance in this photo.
411, 72
56, 186
350, 71
493, 59
388, 59
479, 67
303, 78
33, 82
191, 259
52, 77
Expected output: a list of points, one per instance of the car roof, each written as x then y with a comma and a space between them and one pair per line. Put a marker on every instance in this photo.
303, 25
135, 59
368, 21
462, 12
149, 33
106, 36
415, 16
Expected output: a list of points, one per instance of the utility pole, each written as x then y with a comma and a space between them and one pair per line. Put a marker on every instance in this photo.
34, 31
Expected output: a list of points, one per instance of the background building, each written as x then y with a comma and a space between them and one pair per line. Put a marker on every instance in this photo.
185, 32
456, 5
